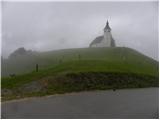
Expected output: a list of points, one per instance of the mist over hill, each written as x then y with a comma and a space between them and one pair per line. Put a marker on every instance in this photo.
23, 61
20, 52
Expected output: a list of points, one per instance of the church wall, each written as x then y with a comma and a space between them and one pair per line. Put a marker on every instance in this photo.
99, 44
107, 39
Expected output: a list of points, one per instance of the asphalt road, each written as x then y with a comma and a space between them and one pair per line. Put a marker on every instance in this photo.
129, 103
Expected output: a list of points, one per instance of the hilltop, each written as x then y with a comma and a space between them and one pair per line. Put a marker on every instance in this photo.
25, 63
77, 70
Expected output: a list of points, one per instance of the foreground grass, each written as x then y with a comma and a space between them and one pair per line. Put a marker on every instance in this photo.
81, 66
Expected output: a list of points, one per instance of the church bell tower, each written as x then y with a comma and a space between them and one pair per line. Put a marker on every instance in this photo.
107, 35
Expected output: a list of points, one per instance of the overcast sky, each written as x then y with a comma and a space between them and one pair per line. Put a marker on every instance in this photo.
44, 26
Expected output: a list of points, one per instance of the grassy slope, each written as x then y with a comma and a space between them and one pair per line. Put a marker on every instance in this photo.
58, 64
113, 58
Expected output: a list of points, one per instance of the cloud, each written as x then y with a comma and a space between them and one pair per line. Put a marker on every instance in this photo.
46, 26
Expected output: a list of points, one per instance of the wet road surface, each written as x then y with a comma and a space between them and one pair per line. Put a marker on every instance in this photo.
128, 103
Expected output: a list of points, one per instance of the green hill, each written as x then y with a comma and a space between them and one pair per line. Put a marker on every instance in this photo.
116, 59
76, 70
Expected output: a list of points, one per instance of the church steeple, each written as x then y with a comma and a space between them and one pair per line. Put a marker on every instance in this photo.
107, 28
107, 23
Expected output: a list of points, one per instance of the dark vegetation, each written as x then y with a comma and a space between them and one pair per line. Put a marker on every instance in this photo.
75, 82
77, 70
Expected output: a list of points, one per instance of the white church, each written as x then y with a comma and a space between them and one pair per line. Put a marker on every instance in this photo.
105, 40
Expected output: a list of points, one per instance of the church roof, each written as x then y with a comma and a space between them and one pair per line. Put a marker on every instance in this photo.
97, 40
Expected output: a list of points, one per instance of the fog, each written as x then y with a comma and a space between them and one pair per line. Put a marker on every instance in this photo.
44, 26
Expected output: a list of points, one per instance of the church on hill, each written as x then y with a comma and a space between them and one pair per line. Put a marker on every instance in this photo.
106, 40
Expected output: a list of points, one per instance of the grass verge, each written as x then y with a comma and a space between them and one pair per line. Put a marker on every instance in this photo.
75, 82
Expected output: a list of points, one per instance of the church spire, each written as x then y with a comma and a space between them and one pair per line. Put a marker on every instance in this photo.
107, 23
107, 28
